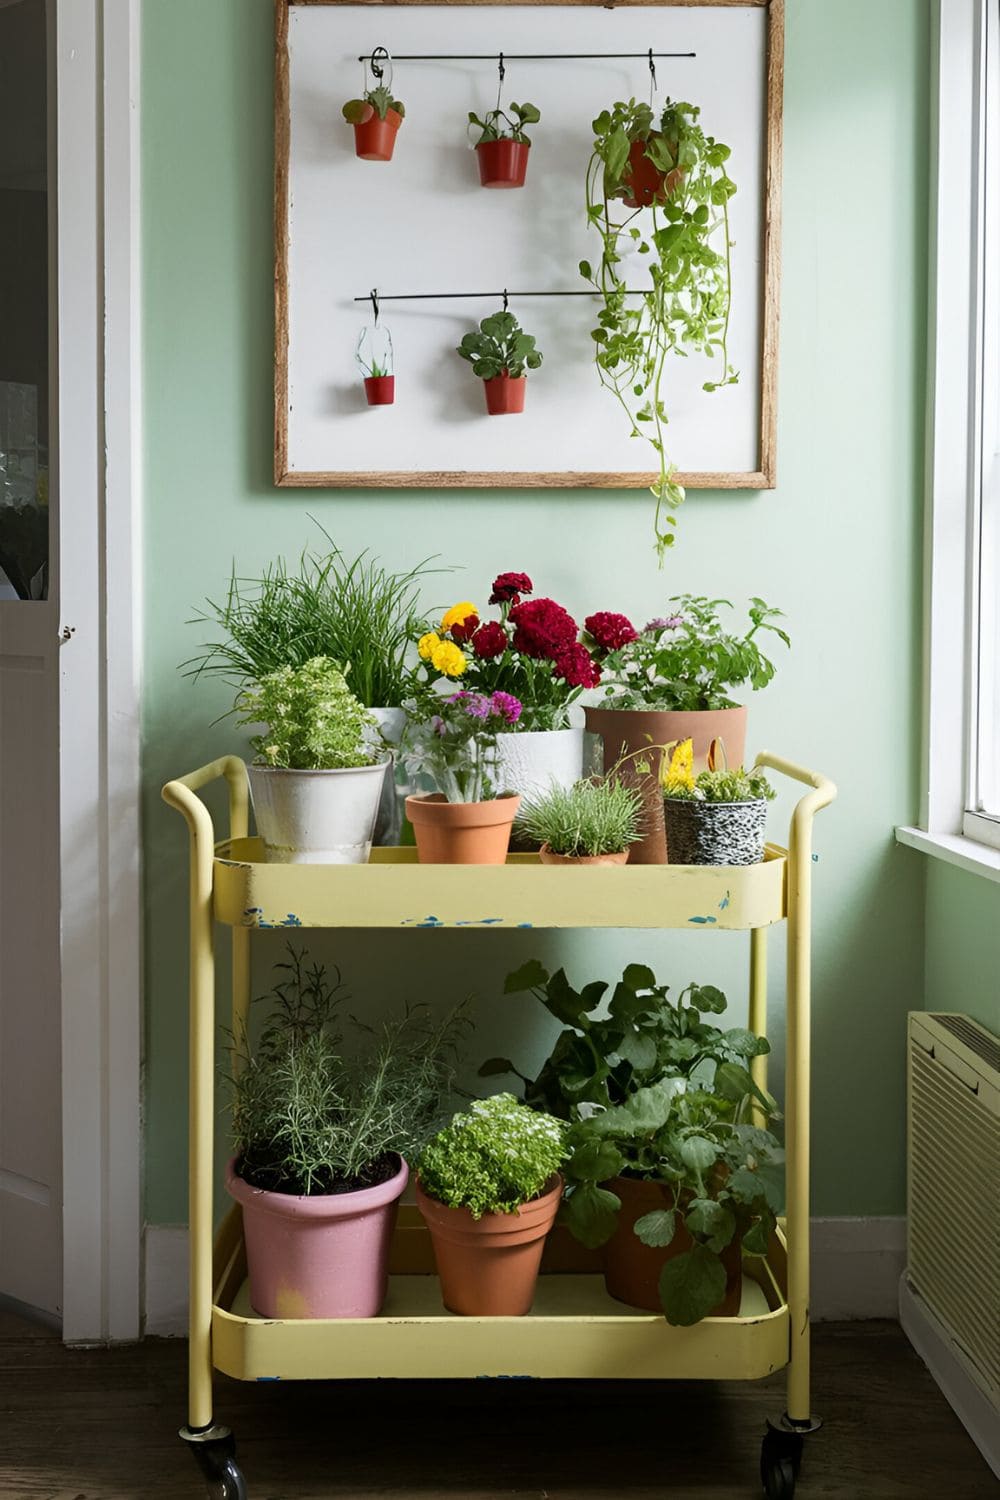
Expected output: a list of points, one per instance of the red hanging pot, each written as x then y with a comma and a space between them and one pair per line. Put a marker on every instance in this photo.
505, 394
375, 138
503, 163
380, 389
643, 182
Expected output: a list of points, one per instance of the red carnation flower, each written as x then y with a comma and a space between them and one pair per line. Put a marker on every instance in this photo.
610, 631
489, 641
575, 665
541, 628
460, 633
508, 588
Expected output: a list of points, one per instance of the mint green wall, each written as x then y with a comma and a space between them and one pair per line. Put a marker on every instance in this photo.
962, 944
836, 545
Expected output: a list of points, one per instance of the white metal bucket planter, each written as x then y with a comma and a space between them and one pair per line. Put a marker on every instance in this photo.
317, 817
529, 763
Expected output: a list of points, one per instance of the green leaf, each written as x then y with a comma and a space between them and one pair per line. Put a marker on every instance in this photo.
530, 976
639, 1049
639, 977
713, 1221
616, 154
591, 1214
586, 270
658, 1228
626, 1005
494, 1066
699, 1153
705, 997
757, 1238
564, 1002
646, 1111
691, 1285
732, 1082
595, 1161
593, 993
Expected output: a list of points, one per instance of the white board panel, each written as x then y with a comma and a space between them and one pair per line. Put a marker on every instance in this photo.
422, 223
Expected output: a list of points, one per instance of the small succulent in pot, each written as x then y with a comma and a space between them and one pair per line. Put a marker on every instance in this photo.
591, 823
376, 119
503, 145
501, 353
716, 817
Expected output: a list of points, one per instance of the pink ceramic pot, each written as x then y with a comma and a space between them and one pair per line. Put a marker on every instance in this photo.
320, 1257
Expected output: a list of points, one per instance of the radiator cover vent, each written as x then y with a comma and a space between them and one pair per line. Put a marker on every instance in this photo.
954, 1184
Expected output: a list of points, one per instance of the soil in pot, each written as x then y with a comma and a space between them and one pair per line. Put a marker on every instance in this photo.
714, 833
632, 1269
547, 857
505, 394
625, 731
375, 139
323, 1256
380, 389
489, 1266
462, 833
503, 163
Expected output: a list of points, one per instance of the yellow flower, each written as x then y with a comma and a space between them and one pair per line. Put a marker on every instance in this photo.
679, 769
447, 658
427, 643
458, 614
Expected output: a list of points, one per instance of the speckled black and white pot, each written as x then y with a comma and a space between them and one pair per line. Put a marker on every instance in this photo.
714, 833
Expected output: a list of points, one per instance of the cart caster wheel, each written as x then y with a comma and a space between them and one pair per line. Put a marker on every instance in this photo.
214, 1452
780, 1460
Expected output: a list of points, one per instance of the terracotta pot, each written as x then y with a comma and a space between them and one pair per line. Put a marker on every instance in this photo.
319, 1257
462, 833
380, 389
375, 139
505, 394
626, 730
502, 164
546, 857
642, 181
489, 1266
632, 1269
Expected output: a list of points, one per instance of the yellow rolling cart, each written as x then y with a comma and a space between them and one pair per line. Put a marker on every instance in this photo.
575, 1330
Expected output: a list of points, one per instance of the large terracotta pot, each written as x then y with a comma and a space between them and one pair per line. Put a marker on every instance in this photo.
325, 1256
461, 833
632, 1269
488, 1267
624, 731
547, 857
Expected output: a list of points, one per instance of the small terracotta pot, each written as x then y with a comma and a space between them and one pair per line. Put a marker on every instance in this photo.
632, 1269
502, 164
489, 1266
462, 833
380, 389
505, 394
547, 857
624, 731
642, 181
375, 139
325, 1256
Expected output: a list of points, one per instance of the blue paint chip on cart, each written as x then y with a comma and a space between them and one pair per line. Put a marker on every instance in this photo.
702, 919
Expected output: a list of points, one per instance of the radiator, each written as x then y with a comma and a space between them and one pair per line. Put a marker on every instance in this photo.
951, 1294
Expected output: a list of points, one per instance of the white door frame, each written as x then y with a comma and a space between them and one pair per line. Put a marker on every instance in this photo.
97, 470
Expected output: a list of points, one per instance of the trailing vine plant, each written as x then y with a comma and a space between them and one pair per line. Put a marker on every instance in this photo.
671, 168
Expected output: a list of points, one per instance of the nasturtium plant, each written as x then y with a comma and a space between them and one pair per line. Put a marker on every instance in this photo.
506, 124
500, 347
653, 1090
377, 101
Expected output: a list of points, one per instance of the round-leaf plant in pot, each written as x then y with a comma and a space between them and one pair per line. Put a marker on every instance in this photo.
503, 145
672, 681
590, 823
489, 1190
670, 1167
319, 772
376, 119
501, 354
321, 1141
716, 817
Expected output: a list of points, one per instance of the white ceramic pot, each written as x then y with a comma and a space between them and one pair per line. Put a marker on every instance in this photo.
529, 763
316, 817
391, 807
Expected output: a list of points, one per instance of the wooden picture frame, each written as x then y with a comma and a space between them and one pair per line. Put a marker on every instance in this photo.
763, 477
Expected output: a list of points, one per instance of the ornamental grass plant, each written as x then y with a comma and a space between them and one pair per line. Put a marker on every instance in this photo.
592, 817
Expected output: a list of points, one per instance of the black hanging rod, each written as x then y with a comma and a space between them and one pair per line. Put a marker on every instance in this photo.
515, 56
476, 296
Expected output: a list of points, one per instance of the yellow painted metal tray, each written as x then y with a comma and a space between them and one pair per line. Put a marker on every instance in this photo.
575, 1330
393, 890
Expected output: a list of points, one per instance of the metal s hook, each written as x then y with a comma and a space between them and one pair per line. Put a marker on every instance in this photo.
652, 76
374, 297
502, 70
378, 57
506, 300
502, 67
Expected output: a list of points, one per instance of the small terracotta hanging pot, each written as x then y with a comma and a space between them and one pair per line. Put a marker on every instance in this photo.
505, 394
488, 1267
462, 833
380, 389
643, 182
546, 857
375, 138
503, 163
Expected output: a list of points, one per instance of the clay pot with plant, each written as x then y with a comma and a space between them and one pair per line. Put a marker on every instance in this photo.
501, 354
591, 823
670, 1166
489, 1190
376, 119
503, 146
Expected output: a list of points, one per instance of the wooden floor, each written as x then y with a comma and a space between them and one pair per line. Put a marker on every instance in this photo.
101, 1425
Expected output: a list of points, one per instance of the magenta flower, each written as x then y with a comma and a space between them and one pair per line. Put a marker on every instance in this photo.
507, 706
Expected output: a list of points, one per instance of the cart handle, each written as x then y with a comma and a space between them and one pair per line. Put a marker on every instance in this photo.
814, 779
181, 794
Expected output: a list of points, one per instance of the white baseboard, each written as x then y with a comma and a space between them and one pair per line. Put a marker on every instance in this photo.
951, 1370
856, 1266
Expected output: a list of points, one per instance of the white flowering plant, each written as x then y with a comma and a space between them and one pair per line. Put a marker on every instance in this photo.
493, 1157
314, 722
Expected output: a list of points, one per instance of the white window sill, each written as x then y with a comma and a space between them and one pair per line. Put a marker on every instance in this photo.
954, 849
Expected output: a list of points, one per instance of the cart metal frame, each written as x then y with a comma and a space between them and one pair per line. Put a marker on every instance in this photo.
575, 1330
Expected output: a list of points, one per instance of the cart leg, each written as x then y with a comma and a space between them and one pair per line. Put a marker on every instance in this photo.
214, 1450
757, 1018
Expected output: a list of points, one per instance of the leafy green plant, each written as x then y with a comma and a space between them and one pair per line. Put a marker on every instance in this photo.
354, 610
737, 785
376, 101
687, 660
501, 347
314, 722
686, 309
306, 1118
497, 124
493, 1157
655, 1091
591, 817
